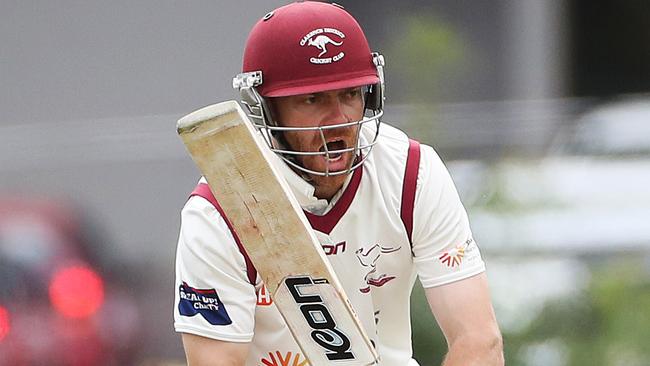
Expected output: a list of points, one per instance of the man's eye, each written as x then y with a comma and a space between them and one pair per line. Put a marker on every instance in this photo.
310, 99
353, 93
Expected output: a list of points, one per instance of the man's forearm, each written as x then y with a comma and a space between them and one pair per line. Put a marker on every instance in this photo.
475, 351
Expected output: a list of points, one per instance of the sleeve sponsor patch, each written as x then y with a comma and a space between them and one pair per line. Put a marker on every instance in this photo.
465, 252
205, 302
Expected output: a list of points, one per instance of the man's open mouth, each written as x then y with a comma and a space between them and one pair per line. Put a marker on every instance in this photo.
334, 145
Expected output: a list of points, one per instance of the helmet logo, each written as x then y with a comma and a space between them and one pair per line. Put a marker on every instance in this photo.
318, 38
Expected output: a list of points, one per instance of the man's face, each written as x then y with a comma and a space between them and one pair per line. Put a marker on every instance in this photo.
322, 109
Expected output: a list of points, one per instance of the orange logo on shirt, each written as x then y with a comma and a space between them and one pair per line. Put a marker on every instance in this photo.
264, 297
284, 361
455, 256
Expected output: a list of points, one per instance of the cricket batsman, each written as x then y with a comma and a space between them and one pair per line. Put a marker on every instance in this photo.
383, 207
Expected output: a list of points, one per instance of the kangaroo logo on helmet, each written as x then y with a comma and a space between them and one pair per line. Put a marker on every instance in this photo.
318, 38
321, 43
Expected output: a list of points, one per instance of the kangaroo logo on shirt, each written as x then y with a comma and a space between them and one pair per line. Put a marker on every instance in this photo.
368, 257
321, 39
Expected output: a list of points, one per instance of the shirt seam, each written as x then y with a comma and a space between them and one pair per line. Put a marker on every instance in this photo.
186, 328
454, 277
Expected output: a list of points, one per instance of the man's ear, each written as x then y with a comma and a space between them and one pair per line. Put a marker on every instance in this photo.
373, 97
272, 110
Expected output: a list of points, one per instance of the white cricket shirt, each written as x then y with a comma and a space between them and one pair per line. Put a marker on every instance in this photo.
377, 239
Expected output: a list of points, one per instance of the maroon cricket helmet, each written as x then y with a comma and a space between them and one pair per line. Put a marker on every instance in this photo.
308, 47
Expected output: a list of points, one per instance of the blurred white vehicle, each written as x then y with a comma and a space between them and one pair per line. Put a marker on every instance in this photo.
590, 194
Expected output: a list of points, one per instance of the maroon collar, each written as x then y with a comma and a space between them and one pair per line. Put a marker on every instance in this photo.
326, 223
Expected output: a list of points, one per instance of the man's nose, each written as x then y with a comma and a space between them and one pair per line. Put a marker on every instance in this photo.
336, 112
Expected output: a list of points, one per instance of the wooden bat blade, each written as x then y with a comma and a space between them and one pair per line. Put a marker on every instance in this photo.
237, 164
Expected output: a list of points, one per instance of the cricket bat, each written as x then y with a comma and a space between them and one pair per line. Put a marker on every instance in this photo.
236, 162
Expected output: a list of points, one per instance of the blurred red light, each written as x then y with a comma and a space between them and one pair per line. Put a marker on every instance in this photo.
4, 323
76, 292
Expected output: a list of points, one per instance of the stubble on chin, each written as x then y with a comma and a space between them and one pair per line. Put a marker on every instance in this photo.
327, 186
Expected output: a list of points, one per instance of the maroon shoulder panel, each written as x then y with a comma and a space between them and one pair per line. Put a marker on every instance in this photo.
409, 187
203, 190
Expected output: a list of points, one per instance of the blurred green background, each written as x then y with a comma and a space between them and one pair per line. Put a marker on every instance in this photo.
562, 225
547, 175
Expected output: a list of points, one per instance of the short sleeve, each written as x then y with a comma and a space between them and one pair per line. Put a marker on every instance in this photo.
443, 246
213, 296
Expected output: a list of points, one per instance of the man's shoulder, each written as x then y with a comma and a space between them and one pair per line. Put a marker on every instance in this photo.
393, 138
201, 206
393, 145
391, 134
387, 161
391, 141
199, 198
393, 151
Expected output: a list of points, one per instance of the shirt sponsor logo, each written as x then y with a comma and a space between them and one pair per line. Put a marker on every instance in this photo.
321, 38
454, 257
264, 297
205, 302
289, 359
368, 257
334, 249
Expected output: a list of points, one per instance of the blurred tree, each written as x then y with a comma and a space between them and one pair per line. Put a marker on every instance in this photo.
426, 49
429, 344
609, 325
426, 55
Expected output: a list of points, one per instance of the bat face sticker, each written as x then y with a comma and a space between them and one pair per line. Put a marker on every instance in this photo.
324, 329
